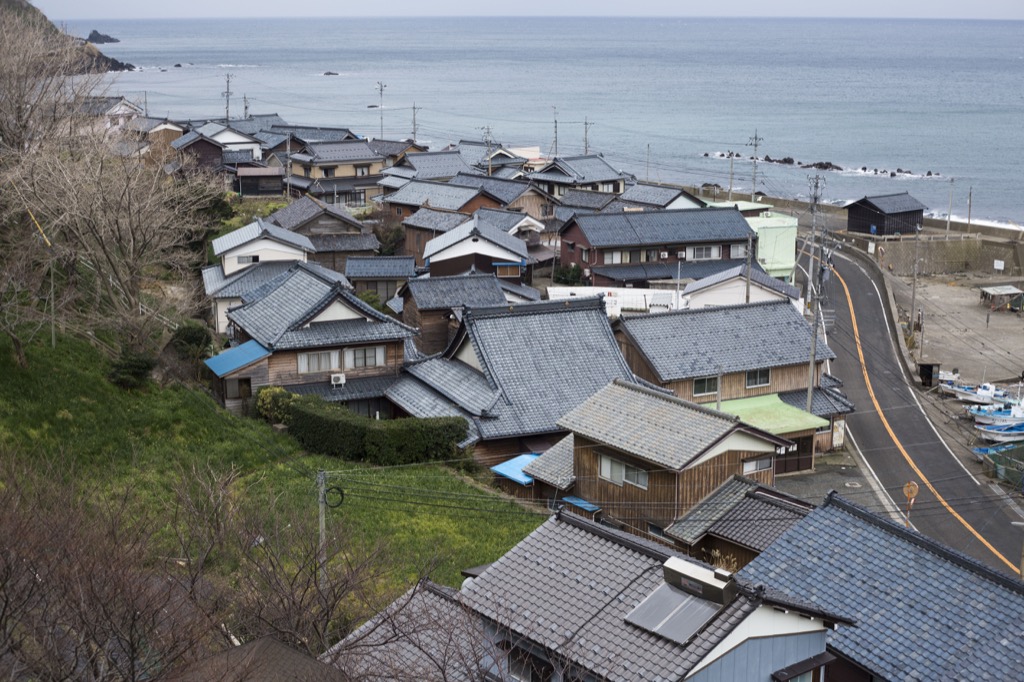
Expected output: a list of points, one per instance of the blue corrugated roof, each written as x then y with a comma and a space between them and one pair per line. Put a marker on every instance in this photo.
237, 358
582, 504
513, 469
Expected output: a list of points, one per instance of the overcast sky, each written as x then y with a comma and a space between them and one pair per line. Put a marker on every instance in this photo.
929, 9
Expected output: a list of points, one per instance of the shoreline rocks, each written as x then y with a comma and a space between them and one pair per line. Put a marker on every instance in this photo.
97, 38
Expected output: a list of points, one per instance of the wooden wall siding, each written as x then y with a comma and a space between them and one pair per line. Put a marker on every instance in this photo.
479, 202
728, 551
415, 241
790, 378
575, 235
491, 452
258, 374
530, 204
636, 361
698, 482
434, 326
326, 224
284, 367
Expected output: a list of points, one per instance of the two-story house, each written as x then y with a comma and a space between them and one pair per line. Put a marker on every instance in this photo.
337, 172
635, 247
383, 275
710, 355
310, 333
479, 246
424, 225
434, 305
590, 172
420, 194
333, 232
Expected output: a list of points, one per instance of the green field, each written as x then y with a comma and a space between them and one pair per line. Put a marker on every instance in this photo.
62, 411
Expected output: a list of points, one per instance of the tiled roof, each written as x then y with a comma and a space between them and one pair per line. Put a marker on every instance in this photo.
439, 293
432, 195
693, 525
229, 157
190, 137
756, 275
700, 342
825, 401
458, 382
256, 123
437, 165
313, 134
518, 291
500, 219
648, 424
380, 267
301, 211
243, 281
259, 229
279, 315
578, 170
341, 152
509, 172
758, 519
342, 243
893, 203
437, 221
426, 634
392, 181
419, 400
581, 198
390, 148
555, 465
363, 388
506, 191
655, 228
568, 588
654, 195
637, 272
923, 611
269, 140
475, 229
327, 276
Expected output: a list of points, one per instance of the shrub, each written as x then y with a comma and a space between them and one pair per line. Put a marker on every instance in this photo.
568, 274
332, 430
191, 339
131, 369
273, 403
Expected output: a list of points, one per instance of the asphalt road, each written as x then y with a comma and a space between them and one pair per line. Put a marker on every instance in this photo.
896, 437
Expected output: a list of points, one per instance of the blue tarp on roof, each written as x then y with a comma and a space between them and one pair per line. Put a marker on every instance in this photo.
513, 469
582, 504
237, 358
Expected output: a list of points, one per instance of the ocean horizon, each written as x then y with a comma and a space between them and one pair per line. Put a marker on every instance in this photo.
662, 98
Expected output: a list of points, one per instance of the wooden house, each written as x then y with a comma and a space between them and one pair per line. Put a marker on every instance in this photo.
479, 246
515, 195
589, 172
426, 224
660, 196
434, 305
417, 194
886, 215
331, 229
310, 334
646, 458
737, 285
382, 275
337, 172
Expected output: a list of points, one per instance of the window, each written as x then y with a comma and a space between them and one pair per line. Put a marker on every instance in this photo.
306, 170
329, 171
362, 171
366, 356
705, 386
571, 246
738, 251
651, 255
318, 361
704, 252
615, 471
616, 257
398, 211
758, 377
751, 466
507, 270
384, 288
238, 389
547, 210
245, 260
657, 531
609, 186
584, 255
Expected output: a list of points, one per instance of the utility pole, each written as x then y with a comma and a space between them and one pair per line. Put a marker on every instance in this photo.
414, 110
227, 98
555, 112
949, 213
288, 167
815, 295
586, 135
750, 240
245, 106
732, 157
755, 141
145, 100
380, 91
487, 139
321, 556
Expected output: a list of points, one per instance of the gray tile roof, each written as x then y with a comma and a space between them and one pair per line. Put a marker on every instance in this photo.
432, 195
258, 229
243, 281
756, 275
758, 519
702, 342
363, 388
510, 172
419, 400
342, 152
825, 401
893, 203
190, 137
278, 314
568, 588
380, 267
313, 134
342, 243
518, 291
654, 195
500, 219
581, 198
923, 611
554, 466
269, 140
693, 525
257, 123
458, 382
475, 229
439, 293
301, 211
390, 148
656, 228
437, 221
391, 181
648, 424
229, 157
506, 191
426, 634
437, 165
578, 170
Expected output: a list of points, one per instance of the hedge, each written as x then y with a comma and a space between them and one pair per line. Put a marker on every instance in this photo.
332, 430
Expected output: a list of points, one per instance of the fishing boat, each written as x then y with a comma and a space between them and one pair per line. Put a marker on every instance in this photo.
947, 380
1000, 433
985, 394
998, 414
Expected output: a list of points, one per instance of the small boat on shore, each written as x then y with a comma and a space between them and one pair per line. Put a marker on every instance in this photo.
997, 433
947, 380
998, 414
985, 394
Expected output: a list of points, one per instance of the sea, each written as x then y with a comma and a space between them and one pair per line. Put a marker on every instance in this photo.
663, 99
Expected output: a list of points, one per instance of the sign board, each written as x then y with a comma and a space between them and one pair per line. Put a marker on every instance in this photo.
999, 266
838, 433
871, 247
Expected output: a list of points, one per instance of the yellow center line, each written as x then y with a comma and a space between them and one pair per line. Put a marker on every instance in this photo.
885, 422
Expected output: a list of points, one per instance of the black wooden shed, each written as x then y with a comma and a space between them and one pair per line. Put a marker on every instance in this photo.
885, 215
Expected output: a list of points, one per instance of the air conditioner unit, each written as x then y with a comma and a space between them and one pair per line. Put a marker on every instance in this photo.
586, 272
663, 255
681, 255
337, 380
